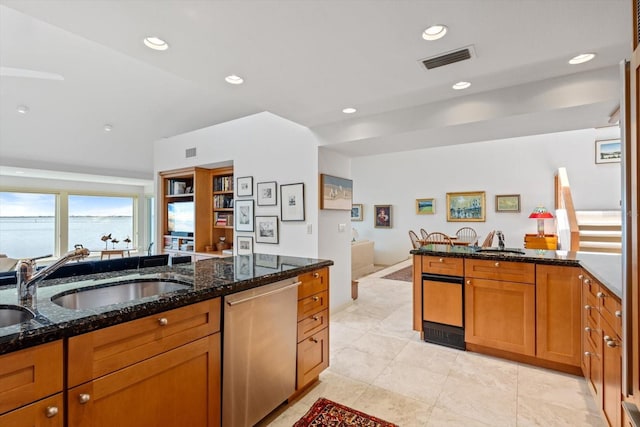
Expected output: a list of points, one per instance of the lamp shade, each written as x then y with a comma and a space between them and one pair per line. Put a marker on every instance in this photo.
541, 213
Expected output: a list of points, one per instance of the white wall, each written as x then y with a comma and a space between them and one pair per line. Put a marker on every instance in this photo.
524, 165
333, 243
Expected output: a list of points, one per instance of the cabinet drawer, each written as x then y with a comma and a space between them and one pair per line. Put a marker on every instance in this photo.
592, 334
43, 413
312, 324
30, 374
500, 270
591, 312
611, 309
443, 265
313, 282
313, 304
313, 357
106, 350
589, 286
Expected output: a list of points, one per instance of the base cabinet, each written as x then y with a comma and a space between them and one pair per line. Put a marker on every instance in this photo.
48, 412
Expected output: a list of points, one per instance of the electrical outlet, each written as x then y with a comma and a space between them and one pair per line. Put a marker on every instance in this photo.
342, 227
309, 228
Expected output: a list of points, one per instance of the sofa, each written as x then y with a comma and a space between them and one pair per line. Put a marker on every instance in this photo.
361, 258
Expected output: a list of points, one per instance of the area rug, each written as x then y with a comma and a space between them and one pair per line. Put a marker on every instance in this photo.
404, 274
327, 413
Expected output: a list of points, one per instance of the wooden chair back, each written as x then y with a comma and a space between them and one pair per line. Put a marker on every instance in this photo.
423, 233
488, 242
468, 234
439, 239
414, 239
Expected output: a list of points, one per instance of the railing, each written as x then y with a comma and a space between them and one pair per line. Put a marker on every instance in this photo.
564, 202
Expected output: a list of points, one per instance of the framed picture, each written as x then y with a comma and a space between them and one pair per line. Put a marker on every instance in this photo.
425, 206
244, 186
508, 203
382, 217
243, 267
244, 245
266, 229
468, 206
244, 215
356, 212
608, 151
267, 193
292, 202
335, 193
266, 260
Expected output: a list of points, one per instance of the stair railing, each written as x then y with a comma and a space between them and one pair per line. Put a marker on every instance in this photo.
564, 201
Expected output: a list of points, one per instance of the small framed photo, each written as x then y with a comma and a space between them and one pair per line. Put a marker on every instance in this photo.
266, 260
267, 229
244, 215
292, 202
382, 217
244, 245
425, 206
244, 186
508, 203
466, 207
608, 151
267, 193
356, 212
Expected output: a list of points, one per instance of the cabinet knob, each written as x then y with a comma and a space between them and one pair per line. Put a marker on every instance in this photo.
51, 411
84, 398
580, 276
587, 281
587, 353
618, 313
315, 318
607, 338
587, 329
497, 264
600, 295
163, 321
469, 282
315, 298
587, 307
441, 260
313, 340
316, 275
611, 344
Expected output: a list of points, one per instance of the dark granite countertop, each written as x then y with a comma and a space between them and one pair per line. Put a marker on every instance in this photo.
206, 279
607, 268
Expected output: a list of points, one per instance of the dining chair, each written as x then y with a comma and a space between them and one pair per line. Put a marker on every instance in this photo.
488, 242
423, 233
414, 239
439, 238
467, 234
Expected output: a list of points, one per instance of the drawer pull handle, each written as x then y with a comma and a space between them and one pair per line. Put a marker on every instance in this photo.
313, 340
587, 329
587, 353
607, 338
84, 398
315, 318
316, 275
315, 298
497, 264
587, 281
441, 260
469, 282
600, 295
618, 313
163, 321
587, 307
580, 276
51, 411
612, 344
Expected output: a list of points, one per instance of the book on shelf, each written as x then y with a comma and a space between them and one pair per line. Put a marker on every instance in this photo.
223, 183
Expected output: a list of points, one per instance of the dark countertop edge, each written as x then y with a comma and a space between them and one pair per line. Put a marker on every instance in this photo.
48, 333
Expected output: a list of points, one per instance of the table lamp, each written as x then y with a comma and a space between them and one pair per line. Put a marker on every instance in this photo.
541, 213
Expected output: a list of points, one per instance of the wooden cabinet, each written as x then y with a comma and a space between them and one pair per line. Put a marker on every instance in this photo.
26, 376
500, 305
548, 241
611, 374
165, 369
443, 265
558, 320
222, 208
313, 326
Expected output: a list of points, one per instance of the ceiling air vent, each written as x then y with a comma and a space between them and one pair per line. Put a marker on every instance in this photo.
190, 152
448, 58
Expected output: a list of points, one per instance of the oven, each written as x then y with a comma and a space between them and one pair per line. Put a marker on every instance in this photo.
443, 310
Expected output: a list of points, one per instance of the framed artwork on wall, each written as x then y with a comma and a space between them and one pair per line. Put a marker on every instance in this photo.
357, 212
466, 206
266, 229
292, 202
608, 151
335, 193
244, 186
267, 193
244, 215
382, 218
425, 206
508, 203
244, 245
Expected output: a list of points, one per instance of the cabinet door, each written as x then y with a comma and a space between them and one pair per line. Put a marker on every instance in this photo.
500, 315
178, 388
43, 413
558, 304
611, 375
593, 364
313, 282
313, 357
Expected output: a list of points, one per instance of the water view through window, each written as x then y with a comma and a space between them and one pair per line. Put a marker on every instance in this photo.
91, 217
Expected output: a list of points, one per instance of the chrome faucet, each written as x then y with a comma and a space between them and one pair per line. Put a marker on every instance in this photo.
500, 239
27, 281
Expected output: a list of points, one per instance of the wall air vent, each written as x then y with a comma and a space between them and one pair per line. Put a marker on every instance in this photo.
448, 58
190, 152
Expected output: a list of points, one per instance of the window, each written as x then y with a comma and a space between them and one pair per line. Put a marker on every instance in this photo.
91, 217
27, 224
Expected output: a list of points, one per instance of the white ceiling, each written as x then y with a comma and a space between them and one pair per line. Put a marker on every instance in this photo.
304, 60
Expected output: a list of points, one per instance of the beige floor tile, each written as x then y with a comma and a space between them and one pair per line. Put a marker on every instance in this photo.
488, 371
540, 412
335, 387
379, 345
441, 417
412, 381
357, 364
434, 358
355, 321
392, 407
341, 336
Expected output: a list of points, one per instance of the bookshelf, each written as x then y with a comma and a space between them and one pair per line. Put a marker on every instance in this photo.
222, 207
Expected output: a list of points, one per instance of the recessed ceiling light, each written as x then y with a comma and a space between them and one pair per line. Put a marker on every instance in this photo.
582, 58
108, 127
234, 80
155, 43
461, 85
434, 32
23, 109
349, 110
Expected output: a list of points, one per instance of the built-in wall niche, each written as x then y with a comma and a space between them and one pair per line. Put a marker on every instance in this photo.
179, 187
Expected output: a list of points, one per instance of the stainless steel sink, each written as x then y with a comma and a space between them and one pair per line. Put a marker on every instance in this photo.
498, 251
115, 293
14, 314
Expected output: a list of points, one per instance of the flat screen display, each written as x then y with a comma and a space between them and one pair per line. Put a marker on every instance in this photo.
181, 217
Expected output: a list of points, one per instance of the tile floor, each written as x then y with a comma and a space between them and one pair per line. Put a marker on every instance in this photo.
380, 366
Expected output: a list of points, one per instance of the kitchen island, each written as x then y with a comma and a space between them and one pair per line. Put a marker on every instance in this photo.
159, 354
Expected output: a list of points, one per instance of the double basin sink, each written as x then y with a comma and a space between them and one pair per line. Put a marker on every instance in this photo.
96, 296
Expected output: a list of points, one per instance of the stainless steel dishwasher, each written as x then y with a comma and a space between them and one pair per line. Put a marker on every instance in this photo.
259, 351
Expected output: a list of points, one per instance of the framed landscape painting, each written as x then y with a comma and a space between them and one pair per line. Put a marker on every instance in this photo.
335, 193
356, 212
608, 151
508, 203
425, 206
466, 206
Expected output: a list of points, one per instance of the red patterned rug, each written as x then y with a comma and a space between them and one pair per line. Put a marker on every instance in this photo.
327, 413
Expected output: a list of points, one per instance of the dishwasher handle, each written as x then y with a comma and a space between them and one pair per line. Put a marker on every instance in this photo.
274, 291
